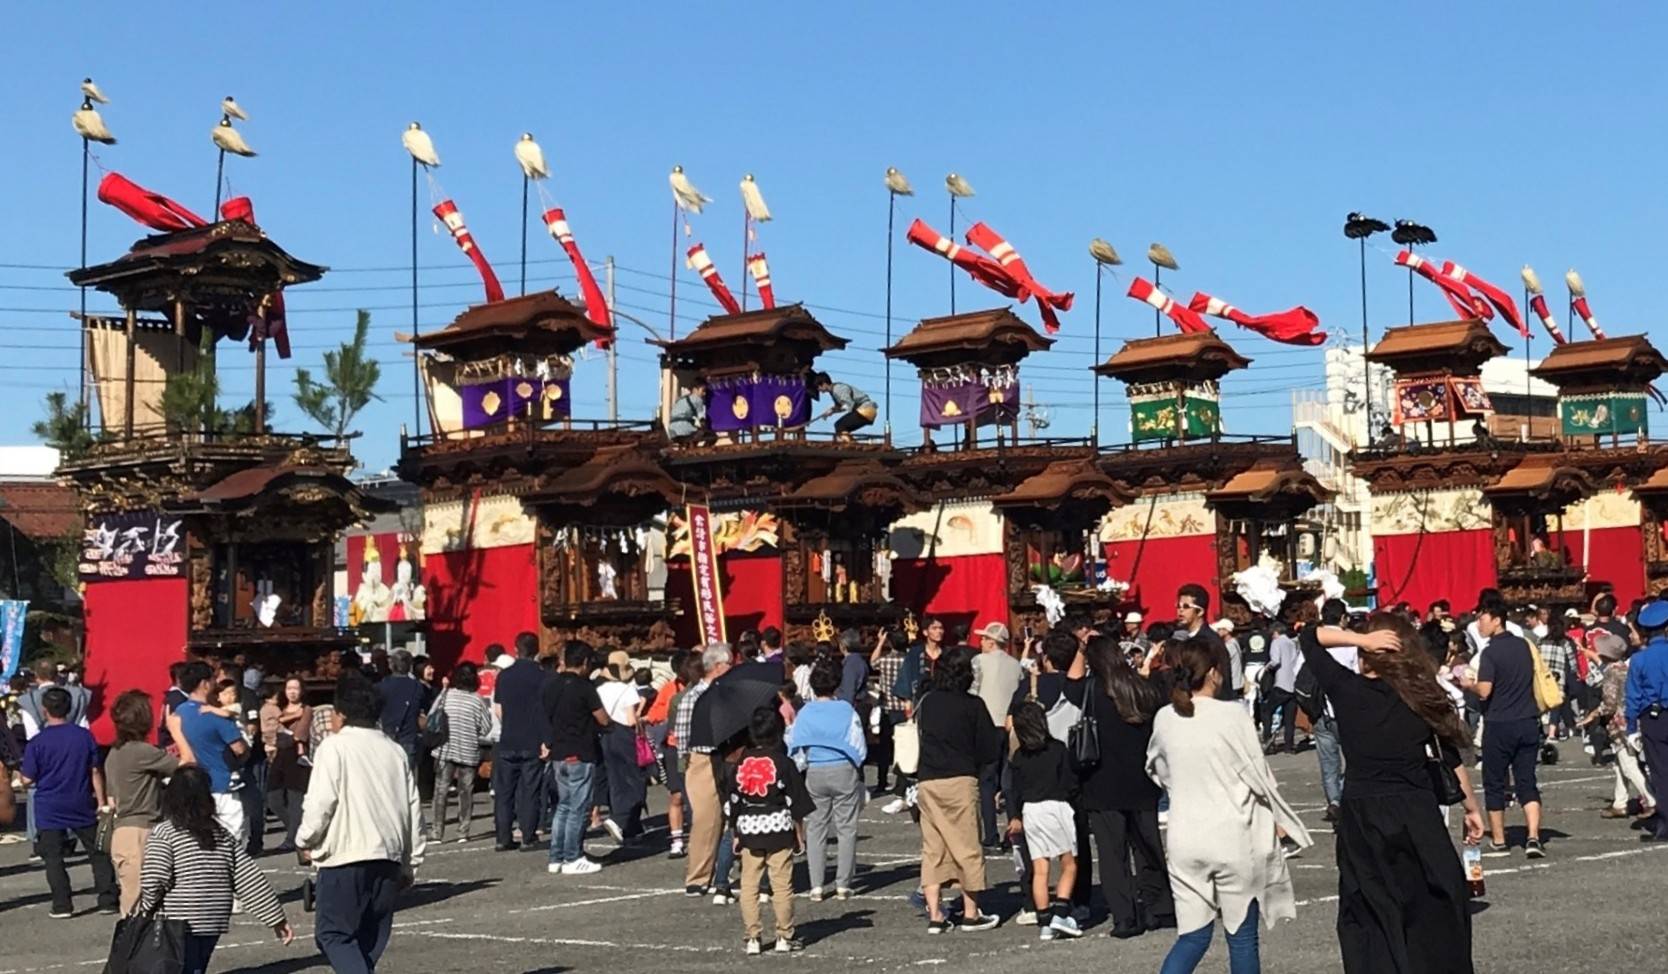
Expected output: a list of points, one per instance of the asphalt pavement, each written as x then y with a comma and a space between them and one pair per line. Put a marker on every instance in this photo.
1595, 903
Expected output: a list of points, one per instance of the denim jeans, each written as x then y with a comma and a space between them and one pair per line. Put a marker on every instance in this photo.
726, 861
1331, 759
1189, 948
573, 808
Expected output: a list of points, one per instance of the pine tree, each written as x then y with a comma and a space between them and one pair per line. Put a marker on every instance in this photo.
65, 426
348, 384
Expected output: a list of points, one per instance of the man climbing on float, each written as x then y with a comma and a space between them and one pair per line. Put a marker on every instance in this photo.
859, 409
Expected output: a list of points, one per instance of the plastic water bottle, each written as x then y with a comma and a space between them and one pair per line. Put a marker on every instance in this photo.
1473, 860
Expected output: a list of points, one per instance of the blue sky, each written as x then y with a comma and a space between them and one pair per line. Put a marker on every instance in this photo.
1237, 134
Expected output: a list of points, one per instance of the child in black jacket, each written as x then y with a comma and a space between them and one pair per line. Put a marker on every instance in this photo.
765, 804
1044, 785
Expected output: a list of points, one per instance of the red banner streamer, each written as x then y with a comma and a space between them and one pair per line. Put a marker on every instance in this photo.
449, 214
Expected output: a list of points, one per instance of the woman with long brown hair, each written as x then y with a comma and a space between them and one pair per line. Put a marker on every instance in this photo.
1402, 900
1225, 860
1118, 801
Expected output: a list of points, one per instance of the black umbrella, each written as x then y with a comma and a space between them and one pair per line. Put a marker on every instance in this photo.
726, 708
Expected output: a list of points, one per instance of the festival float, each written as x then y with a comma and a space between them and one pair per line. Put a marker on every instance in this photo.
206, 532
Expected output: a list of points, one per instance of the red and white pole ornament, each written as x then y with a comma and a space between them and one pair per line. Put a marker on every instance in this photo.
596, 306
1185, 318
982, 236
760, 270
700, 263
1465, 304
447, 212
1537, 304
1496, 296
145, 206
1294, 326
1578, 301
981, 268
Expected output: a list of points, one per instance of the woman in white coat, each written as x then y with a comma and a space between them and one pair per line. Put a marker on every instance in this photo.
1224, 848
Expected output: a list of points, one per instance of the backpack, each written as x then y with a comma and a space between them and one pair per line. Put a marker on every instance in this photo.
1310, 699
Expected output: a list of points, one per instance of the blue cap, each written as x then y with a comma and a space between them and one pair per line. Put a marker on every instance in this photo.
1653, 614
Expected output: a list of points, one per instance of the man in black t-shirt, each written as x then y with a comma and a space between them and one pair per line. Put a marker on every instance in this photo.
518, 701
573, 712
1505, 682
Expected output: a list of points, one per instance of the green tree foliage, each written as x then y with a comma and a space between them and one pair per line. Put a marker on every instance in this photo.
348, 385
64, 427
188, 399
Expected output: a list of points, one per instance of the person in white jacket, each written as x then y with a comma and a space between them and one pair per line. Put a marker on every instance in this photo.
361, 825
1225, 858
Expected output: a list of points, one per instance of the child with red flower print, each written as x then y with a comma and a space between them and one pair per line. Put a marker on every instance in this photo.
765, 804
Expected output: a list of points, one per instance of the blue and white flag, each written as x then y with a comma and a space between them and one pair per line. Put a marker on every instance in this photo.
12, 613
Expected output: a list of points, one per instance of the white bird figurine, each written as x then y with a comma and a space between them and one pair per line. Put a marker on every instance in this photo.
91, 91
229, 106
1103, 252
684, 192
229, 139
421, 147
753, 200
957, 185
1531, 280
1577, 288
1161, 256
897, 184
90, 126
531, 157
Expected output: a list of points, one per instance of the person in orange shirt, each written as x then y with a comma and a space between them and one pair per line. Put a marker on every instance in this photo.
686, 671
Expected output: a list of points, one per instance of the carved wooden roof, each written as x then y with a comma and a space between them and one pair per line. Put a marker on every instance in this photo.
856, 482
1065, 480
1449, 347
778, 339
1195, 357
277, 485
540, 323
618, 485
1624, 362
1544, 480
992, 337
222, 261
1272, 488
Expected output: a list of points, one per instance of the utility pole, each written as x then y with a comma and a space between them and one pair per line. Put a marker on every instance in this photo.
613, 353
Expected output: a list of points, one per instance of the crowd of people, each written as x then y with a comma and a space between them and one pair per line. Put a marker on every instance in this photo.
1129, 755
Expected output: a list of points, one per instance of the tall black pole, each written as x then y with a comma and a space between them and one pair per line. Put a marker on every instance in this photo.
952, 266
891, 209
1410, 292
746, 231
1158, 314
219, 173
86, 412
1366, 369
416, 329
524, 181
672, 307
1094, 430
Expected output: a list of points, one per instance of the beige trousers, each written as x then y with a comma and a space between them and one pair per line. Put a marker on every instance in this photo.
127, 854
701, 788
780, 866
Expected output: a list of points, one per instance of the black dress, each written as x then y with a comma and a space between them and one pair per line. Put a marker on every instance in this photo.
1403, 907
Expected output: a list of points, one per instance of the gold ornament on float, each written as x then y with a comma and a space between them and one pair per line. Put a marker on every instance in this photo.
740, 407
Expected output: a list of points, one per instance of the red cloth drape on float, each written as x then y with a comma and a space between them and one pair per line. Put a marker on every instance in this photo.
752, 593
478, 597
963, 590
1615, 555
1420, 567
135, 630
1156, 567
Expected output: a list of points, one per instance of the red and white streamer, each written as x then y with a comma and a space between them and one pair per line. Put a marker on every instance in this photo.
981, 268
760, 270
149, 208
447, 212
1185, 318
1294, 326
982, 236
700, 263
1496, 296
1537, 304
596, 305
1586, 315
1465, 304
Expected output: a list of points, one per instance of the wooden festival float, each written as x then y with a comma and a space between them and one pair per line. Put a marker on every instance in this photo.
1205, 504
1007, 515
533, 520
801, 517
209, 535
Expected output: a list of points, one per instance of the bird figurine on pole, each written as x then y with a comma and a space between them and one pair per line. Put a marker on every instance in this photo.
1410, 235
897, 184
1359, 227
227, 139
1160, 257
1105, 255
90, 127
685, 199
958, 189
421, 149
89, 124
754, 211
530, 158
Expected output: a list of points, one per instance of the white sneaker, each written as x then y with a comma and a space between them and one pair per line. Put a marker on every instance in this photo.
582, 867
752, 947
893, 807
764, 897
1066, 927
614, 829
1026, 918
554, 869
815, 895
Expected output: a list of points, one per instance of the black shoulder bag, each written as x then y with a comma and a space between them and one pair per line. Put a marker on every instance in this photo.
1444, 782
1083, 740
